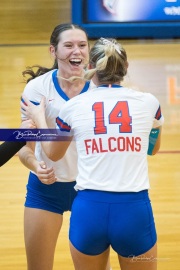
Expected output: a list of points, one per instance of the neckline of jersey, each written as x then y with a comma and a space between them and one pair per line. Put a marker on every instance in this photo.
60, 91
110, 85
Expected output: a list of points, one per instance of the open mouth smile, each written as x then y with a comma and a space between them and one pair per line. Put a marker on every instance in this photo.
75, 61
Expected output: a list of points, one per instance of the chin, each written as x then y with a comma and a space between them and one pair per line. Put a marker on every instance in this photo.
77, 72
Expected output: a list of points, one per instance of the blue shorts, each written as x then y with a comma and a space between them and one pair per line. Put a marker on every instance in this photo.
122, 220
57, 197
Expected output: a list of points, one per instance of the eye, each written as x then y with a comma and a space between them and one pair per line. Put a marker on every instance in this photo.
83, 45
68, 45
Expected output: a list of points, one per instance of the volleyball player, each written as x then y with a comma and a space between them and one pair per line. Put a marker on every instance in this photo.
50, 188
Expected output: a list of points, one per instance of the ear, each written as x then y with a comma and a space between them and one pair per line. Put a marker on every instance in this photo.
52, 51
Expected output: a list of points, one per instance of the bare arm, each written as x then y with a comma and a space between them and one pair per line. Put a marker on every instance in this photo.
55, 150
27, 157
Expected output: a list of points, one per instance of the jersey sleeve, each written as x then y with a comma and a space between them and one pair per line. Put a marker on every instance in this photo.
64, 119
33, 92
158, 118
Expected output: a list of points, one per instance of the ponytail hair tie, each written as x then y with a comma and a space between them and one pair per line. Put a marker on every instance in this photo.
108, 42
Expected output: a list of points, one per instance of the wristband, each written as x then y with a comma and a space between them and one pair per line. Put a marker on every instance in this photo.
153, 136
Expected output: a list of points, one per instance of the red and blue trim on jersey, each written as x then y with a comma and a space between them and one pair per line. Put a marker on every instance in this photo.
158, 113
35, 103
110, 85
63, 126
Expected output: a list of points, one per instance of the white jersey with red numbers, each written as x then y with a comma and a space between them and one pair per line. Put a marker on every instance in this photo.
47, 85
111, 127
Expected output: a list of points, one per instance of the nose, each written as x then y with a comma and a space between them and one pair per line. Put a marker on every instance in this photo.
76, 49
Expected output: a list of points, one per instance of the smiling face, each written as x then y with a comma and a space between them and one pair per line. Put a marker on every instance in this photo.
72, 52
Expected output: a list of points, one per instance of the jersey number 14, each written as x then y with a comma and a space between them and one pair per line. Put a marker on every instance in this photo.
119, 115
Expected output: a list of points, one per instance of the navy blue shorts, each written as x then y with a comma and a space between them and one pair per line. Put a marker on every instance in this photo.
57, 197
122, 220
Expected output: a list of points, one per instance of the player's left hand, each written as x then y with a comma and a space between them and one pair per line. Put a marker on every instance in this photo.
31, 111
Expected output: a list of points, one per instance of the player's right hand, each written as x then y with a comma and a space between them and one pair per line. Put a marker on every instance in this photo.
45, 175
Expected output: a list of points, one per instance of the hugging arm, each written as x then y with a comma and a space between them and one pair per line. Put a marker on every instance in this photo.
54, 150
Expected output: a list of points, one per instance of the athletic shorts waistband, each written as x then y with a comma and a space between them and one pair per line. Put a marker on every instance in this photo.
116, 197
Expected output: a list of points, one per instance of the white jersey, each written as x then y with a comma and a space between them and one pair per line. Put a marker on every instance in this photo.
111, 127
47, 85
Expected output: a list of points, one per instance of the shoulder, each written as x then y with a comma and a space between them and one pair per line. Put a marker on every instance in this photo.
150, 96
146, 96
40, 79
38, 85
152, 104
152, 100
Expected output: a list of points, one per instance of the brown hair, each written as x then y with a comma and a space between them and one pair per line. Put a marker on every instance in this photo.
54, 40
